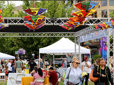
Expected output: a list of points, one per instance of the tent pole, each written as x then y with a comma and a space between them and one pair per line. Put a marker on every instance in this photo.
108, 46
79, 50
90, 58
75, 46
39, 59
53, 61
113, 52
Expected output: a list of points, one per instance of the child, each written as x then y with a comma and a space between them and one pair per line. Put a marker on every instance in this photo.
23, 69
6, 72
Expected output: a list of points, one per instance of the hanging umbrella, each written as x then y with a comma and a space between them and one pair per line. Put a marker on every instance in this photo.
80, 17
87, 6
21, 51
35, 11
2, 25
35, 18
105, 25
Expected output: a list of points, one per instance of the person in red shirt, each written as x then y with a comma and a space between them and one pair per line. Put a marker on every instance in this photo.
53, 78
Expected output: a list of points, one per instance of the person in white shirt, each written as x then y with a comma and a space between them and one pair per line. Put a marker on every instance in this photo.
73, 73
60, 70
65, 63
85, 66
9, 67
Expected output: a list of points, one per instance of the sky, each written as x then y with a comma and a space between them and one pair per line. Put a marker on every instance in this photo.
17, 3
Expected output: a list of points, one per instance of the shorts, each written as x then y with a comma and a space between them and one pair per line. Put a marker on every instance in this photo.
18, 70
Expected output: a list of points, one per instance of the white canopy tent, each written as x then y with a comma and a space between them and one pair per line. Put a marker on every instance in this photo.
6, 56
64, 46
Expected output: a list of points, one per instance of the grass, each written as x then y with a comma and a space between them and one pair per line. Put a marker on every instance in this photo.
61, 83
2, 83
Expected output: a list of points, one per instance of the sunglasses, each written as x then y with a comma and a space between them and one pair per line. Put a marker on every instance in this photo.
76, 62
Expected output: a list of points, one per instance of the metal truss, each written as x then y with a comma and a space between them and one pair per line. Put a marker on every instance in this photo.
111, 47
92, 21
111, 43
14, 20
52, 21
40, 34
85, 31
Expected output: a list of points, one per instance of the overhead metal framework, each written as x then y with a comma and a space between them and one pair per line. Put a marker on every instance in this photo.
58, 21
52, 21
39, 34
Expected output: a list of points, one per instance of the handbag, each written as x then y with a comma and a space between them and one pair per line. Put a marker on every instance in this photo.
93, 79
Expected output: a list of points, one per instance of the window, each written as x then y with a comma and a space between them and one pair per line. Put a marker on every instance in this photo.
104, 3
111, 2
104, 13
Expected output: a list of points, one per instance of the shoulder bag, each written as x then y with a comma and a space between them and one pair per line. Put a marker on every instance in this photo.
93, 79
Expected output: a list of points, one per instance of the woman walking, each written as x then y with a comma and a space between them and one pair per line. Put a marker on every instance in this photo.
73, 73
103, 73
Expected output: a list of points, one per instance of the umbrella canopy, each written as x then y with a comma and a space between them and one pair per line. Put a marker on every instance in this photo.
6, 56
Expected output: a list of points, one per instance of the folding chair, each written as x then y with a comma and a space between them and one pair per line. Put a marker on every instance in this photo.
18, 78
2, 75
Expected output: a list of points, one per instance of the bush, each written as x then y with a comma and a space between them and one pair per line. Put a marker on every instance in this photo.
95, 57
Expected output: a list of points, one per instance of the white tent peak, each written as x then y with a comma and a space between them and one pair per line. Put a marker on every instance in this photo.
64, 45
6, 56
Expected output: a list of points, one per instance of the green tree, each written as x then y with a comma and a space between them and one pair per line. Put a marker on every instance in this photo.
2, 4
55, 9
32, 44
112, 14
8, 10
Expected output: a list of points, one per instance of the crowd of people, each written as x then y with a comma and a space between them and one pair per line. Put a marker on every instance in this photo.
77, 73
74, 73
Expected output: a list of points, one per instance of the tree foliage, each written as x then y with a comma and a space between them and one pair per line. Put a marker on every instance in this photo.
112, 14
31, 45
56, 9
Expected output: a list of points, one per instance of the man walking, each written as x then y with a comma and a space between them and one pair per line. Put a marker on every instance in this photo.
19, 66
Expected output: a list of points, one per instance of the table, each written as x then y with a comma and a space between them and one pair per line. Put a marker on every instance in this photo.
26, 80
12, 78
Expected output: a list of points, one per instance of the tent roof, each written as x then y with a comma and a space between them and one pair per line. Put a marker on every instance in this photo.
6, 56
63, 46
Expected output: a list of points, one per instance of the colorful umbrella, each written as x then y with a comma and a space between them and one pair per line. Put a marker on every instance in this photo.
35, 18
34, 22
35, 11
86, 9
105, 25
87, 6
2, 25
93, 5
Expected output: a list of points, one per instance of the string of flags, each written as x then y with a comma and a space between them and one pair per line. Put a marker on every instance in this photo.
35, 18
